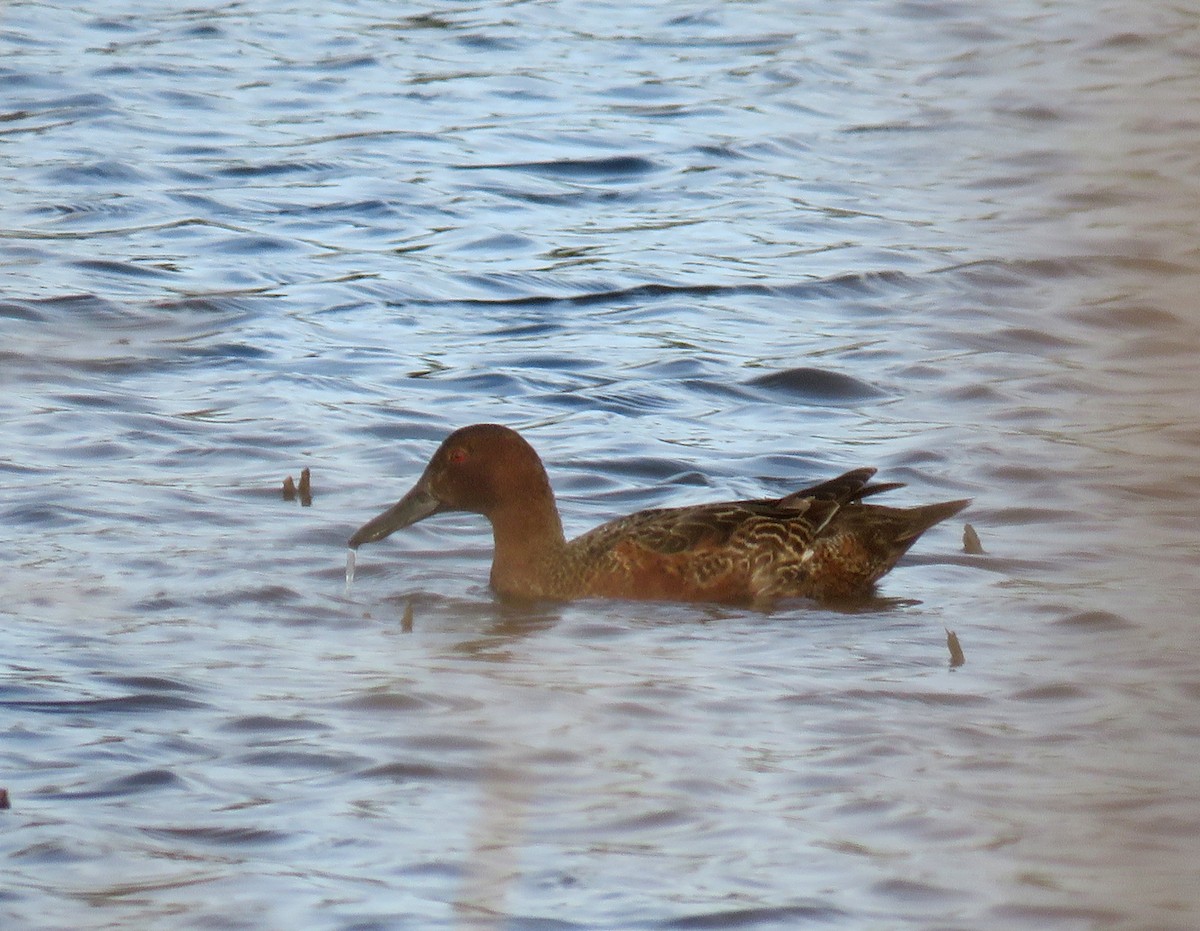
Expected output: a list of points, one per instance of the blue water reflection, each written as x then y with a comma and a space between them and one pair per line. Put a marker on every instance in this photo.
693, 252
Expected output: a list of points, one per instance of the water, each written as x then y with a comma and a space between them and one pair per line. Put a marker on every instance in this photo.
693, 252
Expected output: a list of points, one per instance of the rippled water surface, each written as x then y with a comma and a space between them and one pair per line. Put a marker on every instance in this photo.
692, 251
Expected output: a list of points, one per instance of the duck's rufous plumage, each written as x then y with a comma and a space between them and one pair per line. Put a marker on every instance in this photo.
821, 542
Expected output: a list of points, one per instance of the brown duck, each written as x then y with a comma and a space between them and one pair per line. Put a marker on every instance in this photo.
821, 542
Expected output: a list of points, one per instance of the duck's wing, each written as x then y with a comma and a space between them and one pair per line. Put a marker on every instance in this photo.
712, 552
846, 488
818, 542
795, 521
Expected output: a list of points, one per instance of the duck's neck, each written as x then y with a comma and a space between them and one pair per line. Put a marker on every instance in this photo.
529, 538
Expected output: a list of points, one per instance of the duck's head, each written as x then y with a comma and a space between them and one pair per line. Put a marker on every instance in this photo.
483, 468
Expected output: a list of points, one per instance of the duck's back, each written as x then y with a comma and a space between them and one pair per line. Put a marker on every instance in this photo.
710, 552
821, 542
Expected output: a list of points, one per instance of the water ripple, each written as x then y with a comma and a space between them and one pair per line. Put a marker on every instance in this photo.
692, 254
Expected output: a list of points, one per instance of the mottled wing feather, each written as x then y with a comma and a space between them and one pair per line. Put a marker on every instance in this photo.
669, 531
720, 550
845, 489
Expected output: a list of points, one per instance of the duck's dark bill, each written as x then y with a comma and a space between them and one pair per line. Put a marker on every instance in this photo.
414, 506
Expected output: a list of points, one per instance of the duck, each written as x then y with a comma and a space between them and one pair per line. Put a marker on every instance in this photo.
823, 542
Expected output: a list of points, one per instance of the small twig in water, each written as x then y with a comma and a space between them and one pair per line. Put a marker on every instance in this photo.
956, 654
304, 492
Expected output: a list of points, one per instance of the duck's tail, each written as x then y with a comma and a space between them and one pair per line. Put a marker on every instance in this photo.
919, 519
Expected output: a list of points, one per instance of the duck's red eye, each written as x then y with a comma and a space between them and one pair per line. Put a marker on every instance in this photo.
457, 456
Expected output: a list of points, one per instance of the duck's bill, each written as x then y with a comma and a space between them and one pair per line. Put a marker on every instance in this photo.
414, 506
